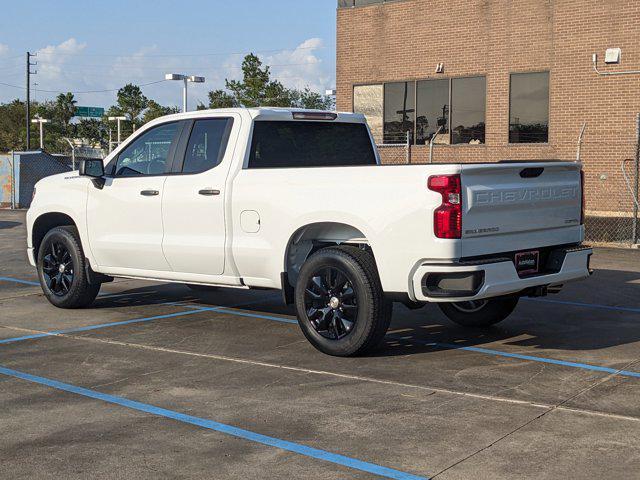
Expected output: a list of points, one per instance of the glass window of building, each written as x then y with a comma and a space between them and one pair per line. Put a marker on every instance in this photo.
399, 112
529, 108
468, 99
368, 99
432, 111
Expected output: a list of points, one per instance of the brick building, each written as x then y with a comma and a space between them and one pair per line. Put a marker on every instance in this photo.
516, 80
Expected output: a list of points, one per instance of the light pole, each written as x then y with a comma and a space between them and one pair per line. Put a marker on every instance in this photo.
185, 79
41, 121
117, 119
73, 153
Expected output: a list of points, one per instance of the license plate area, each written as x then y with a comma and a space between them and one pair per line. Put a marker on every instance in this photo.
527, 263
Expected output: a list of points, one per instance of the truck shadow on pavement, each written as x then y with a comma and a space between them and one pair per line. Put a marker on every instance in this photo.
5, 225
586, 322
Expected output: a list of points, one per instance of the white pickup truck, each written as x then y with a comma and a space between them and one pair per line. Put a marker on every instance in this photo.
297, 200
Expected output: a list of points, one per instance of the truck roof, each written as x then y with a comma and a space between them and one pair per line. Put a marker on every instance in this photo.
267, 113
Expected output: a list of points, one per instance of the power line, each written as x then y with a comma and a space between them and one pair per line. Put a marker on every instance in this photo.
79, 92
144, 67
133, 55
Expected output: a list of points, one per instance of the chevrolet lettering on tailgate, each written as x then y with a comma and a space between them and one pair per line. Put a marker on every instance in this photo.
518, 195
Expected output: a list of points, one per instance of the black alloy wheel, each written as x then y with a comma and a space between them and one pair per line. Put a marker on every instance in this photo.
331, 303
58, 268
340, 304
63, 269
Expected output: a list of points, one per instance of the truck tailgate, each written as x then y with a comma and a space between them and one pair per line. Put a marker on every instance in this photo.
512, 206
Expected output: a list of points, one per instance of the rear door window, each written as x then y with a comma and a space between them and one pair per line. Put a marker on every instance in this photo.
207, 144
298, 144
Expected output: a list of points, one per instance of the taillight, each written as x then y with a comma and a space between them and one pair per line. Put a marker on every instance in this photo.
447, 218
582, 197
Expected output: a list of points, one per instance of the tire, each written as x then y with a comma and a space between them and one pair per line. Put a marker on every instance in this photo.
201, 288
480, 313
62, 269
339, 302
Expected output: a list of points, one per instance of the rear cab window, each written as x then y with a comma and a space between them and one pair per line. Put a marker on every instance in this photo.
299, 144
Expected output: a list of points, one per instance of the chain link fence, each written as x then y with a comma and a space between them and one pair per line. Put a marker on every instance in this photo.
611, 180
612, 215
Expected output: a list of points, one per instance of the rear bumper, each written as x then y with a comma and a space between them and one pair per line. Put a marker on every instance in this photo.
493, 279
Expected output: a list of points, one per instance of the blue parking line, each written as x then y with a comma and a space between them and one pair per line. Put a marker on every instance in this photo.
499, 353
541, 300
106, 325
293, 447
255, 315
17, 280
192, 310
585, 305
225, 310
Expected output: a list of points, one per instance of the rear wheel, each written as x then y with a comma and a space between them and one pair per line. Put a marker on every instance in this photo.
62, 269
340, 305
479, 313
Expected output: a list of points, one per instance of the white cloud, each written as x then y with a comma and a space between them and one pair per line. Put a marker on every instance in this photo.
135, 66
4, 49
296, 68
51, 59
301, 67
69, 67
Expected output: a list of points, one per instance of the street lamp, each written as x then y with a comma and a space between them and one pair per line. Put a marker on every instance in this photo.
118, 119
185, 79
41, 121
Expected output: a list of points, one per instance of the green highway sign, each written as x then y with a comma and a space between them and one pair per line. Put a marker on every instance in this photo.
94, 112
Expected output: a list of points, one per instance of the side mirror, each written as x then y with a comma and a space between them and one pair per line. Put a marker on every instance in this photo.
94, 169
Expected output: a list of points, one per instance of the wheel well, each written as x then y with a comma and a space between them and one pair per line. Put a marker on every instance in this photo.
311, 238
44, 223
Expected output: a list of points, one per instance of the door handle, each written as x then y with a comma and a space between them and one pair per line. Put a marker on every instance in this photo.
209, 192
149, 193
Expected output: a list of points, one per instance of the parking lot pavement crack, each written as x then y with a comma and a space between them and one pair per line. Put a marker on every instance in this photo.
558, 406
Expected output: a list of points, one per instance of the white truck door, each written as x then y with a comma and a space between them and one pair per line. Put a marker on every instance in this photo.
193, 210
124, 218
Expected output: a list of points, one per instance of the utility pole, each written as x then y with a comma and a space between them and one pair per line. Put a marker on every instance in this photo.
28, 120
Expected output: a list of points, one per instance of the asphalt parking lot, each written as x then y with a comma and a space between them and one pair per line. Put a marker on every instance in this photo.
156, 382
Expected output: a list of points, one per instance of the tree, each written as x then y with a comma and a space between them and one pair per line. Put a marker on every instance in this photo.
155, 110
95, 131
258, 89
131, 102
309, 99
59, 114
12, 128
64, 109
221, 99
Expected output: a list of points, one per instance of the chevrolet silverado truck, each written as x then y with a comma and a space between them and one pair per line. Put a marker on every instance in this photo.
297, 200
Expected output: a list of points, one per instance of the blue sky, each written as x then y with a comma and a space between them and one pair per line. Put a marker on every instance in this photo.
89, 45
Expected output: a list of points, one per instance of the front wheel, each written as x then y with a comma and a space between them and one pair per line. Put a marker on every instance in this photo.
479, 313
340, 304
61, 269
